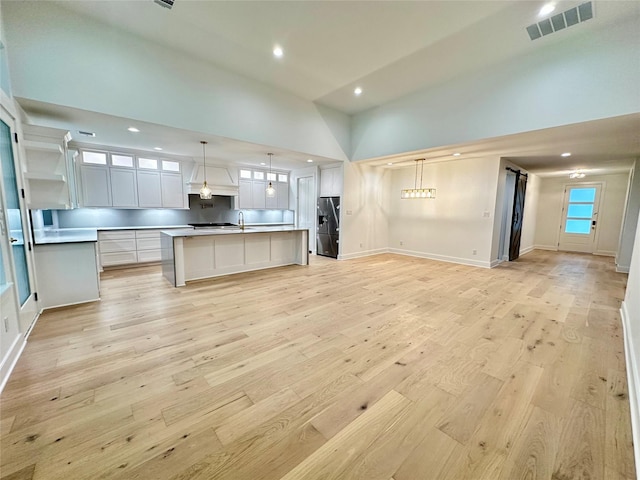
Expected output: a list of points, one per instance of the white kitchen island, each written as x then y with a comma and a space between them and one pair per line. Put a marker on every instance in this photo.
194, 254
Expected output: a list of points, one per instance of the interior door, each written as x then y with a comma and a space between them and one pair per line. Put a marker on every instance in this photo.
516, 217
16, 227
580, 218
307, 209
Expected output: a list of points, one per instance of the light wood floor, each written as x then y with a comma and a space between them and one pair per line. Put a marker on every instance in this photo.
386, 367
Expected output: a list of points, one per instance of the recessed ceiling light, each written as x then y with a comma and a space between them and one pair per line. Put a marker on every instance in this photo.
277, 51
262, 163
456, 154
389, 163
157, 148
133, 129
546, 9
357, 91
309, 160
566, 154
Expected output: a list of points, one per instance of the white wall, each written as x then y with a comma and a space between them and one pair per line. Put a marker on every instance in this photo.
529, 216
584, 78
612, 202
629, 225
98, 68
452, 225
631, 322
364, 228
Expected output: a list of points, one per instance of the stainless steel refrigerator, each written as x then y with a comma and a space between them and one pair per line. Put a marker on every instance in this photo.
327, 238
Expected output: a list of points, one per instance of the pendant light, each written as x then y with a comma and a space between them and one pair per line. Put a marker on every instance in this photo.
271, 192
205, 191
416, 192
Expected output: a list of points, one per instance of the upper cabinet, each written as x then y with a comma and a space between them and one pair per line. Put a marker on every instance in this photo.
124, 180
48, 168
331, 181
253, 190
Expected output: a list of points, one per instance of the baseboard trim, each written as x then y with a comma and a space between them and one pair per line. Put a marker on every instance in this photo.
11, 359
527, 250
605, 253
365, 253
633, 382
551, 248
442, 258
622, 268
65, 305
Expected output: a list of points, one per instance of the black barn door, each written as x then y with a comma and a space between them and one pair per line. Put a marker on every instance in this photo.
516, 217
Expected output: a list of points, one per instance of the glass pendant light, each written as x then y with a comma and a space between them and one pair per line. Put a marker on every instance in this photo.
271, 192
205, 191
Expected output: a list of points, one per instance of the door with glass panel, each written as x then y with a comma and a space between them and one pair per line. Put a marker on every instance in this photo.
580, 218
16, 226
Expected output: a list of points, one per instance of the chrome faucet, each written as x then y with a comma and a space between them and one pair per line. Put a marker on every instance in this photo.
241, 219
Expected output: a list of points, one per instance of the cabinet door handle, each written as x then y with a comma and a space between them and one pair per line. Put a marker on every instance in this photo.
13, 240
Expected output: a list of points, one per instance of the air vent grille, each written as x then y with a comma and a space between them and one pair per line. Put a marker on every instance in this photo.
568, 18
165, 3
86, 134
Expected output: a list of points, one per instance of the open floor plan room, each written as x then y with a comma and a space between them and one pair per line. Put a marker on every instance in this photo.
383, 367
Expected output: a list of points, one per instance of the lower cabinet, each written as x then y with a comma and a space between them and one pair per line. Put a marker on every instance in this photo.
127, 247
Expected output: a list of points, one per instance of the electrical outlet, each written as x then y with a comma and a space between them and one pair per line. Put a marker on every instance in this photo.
361, 245
6, 324
349, 212
401, 243
475, 252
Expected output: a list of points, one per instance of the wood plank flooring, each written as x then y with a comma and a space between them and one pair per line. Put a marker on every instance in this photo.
386, 367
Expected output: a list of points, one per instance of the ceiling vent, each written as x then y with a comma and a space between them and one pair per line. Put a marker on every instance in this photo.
86, 134
568, 18
165, 3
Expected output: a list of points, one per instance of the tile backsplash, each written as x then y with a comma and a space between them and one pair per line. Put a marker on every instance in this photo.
200, 211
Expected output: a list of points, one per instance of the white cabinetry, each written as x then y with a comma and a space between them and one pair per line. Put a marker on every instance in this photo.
117, 248
331, 181
124, 180
149, 189
124, 189
148, 246
47, 169
171, 187
128, 247
96, 186
253, 191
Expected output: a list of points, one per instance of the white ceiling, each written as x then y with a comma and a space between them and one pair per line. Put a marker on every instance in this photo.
389, 48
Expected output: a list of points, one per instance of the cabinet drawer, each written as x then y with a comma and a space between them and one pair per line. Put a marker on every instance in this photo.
121, 245
117, 258
150, 255
147, 243
116, 235
148, 233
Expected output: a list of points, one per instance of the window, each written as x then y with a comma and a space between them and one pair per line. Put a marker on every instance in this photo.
580, 210
245, 173
170, 166
283, 177
258, 175
121, 160
148, 163
271, 177
95, 158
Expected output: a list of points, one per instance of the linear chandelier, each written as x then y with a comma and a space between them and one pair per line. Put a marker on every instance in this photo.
416, 192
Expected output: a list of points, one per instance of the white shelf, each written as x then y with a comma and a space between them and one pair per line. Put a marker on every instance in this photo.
48, 177
43, 147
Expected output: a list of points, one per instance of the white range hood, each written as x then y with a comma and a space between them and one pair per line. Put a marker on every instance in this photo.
221, 180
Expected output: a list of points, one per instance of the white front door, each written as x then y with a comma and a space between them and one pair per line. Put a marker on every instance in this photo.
307, 209
580, 217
